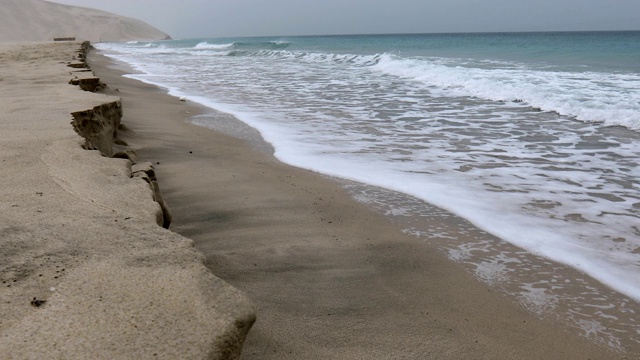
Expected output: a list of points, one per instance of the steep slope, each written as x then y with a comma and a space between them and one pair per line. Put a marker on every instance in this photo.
37, 20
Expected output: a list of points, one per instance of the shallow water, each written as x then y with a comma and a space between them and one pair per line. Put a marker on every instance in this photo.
530, 137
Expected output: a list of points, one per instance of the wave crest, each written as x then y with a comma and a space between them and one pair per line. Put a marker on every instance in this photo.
362, 60
206, 46
269, 45
588, 97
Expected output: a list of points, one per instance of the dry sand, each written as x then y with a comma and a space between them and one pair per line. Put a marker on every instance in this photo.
331, 278
85, 269
36, 20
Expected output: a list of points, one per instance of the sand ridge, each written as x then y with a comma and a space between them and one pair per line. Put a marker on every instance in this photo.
86, 271
37, 20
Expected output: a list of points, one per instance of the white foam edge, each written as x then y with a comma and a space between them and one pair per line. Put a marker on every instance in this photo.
558, 250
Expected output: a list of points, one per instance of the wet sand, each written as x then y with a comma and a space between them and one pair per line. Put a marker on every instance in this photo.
330, 277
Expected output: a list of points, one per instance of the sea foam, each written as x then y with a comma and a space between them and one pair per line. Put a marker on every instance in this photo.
586, 96
494, 141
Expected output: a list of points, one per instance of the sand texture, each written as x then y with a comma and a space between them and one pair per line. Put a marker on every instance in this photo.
36, 20
331, 278
86, 270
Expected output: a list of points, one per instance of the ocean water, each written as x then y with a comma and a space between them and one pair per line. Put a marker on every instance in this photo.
531, 137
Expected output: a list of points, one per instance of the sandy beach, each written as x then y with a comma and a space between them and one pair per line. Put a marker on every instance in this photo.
330, 277
87, 269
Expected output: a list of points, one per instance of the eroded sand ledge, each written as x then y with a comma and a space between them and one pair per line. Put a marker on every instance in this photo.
86, 271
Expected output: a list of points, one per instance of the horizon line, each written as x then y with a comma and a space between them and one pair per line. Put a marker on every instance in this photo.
416, 33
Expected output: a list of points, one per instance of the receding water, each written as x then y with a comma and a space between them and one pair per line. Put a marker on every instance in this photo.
531, 137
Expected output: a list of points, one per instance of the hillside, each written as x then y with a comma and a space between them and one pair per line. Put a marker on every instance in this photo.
37, 20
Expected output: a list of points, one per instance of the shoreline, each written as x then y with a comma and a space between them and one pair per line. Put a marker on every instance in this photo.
546, 287
464, 162
327, 273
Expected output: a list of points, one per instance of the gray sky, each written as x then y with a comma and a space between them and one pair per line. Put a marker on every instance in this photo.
218, 18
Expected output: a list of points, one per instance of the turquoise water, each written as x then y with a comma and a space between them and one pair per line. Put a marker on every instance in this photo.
532, 137
599, 51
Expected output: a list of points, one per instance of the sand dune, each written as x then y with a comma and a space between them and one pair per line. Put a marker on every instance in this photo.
36, 20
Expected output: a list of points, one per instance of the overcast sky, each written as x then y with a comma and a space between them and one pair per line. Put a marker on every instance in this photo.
220, 18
